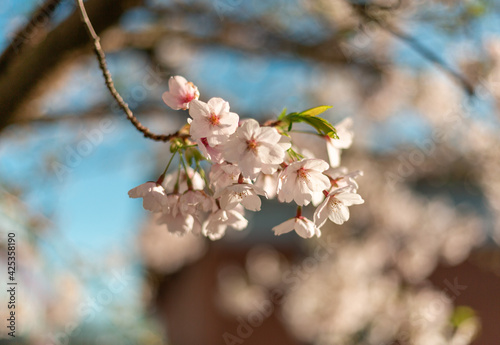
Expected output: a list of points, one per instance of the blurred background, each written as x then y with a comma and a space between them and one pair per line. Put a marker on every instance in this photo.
418, 263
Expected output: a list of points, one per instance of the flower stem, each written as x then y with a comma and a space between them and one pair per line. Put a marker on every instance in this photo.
188, 179
203, 175
299, 212
176, 187
162, 176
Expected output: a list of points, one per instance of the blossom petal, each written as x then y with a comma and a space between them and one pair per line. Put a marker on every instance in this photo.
198, 109
268, 134
218, 105
321, 213
317, 182
345, 134
248, 128
229, 200
251, 202
236, 220
315, 164
271, 154
171, 100
176, 84
339, 213
349, 199
304, 227
333, 153
285, 142
284, 227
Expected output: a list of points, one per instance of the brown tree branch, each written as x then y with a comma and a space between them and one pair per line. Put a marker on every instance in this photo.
101, 58
363, 11
22, 76
326, 52
38, 20
258, 36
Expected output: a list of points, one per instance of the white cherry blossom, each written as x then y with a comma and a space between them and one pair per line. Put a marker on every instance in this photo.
213, 154
180, 94
342, 178
172, 204
153, 196
335, 206
248, 161
339, 178
217, 222
171, 179
285, 143
269, 183
334, 146
212, 120
244, 193
255, 148
193, 201
178, 222
300, 180
303, 227
223, 175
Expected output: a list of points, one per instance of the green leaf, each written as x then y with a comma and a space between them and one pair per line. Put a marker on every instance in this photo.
316, 111
282, 115
294, 155
321, 125
461, 314
333, 135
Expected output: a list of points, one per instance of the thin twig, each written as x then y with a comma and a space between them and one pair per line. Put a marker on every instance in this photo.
101, 58
430, 55
417, 46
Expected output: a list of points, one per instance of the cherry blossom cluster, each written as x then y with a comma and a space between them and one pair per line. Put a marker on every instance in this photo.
247, 161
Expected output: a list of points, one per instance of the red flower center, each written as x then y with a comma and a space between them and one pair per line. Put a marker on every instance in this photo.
187, 98
213, 119
252, 144
302, 173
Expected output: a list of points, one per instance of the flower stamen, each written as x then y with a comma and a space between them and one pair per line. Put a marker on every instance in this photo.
213, 119
302, 173
252, 144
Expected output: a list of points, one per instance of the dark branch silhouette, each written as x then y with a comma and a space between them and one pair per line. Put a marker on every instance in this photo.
38, 20
22, 77
101, 58
25, 65
363, 10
